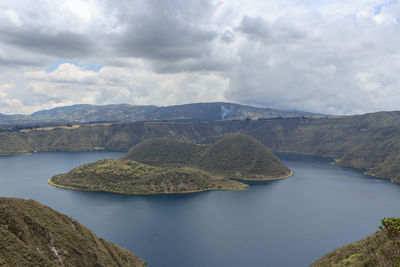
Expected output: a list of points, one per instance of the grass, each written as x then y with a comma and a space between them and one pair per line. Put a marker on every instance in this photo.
235, 156
34, 235
131, 177
380, 249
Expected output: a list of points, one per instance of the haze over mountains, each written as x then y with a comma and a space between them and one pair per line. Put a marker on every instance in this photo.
123, 112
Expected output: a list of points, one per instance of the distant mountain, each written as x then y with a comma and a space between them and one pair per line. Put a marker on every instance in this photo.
35, 235
91, 113
163, 166
122, 113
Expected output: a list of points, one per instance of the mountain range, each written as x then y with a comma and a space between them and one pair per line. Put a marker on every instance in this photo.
85, 113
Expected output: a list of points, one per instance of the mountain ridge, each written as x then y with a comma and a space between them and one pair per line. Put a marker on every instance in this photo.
207, 111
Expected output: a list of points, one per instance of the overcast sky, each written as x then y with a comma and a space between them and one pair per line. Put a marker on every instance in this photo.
327, 56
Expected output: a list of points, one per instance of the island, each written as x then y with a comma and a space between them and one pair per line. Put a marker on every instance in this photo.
164, 166
35, 235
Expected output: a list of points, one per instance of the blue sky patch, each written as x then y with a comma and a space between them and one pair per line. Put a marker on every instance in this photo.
92, 67
378, 8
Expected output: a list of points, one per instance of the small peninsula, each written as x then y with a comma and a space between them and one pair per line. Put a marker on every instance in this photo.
35, 235
164, 166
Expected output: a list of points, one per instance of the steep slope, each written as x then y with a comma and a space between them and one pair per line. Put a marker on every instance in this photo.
131, 177
241, 156
34, 235
380, 249
163, 151
236, 156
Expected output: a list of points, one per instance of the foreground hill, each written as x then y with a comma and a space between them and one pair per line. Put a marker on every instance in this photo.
124, 112
34, 235
163, 166
380, 249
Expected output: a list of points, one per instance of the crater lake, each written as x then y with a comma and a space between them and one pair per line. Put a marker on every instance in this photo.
290, 222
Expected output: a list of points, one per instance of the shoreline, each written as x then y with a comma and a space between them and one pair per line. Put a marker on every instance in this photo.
265, 179
245, 187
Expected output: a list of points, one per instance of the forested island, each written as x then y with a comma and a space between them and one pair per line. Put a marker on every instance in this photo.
163, 166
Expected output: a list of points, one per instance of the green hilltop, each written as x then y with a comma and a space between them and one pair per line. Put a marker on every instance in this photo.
163, 166
235, 156
35, 235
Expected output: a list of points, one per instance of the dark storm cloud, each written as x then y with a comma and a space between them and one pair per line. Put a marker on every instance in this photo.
61, 44
165, 30
193, 65
11, 63
260, 29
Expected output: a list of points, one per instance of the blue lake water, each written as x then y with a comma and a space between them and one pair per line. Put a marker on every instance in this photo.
290, 222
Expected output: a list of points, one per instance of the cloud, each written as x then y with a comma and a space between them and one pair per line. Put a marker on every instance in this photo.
337, 56
165, 30
72, 84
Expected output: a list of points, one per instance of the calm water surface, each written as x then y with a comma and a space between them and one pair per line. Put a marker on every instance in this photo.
291, 222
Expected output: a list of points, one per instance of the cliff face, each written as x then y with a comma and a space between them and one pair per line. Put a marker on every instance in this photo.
35, 235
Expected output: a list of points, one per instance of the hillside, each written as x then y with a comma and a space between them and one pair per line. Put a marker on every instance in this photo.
370, 142
163, 166
234, 156
124, 112
131, 177
380, 249
163, 151
241, 156
34, 235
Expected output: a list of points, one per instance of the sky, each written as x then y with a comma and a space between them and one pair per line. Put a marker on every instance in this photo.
327, 56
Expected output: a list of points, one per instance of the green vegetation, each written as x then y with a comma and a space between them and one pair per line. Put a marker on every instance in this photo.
235, 156
34, 235
379, 249
370, 142
241, 156
131, 177
163, 166
164, 152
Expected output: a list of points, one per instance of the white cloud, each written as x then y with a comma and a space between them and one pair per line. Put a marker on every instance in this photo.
332, 56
